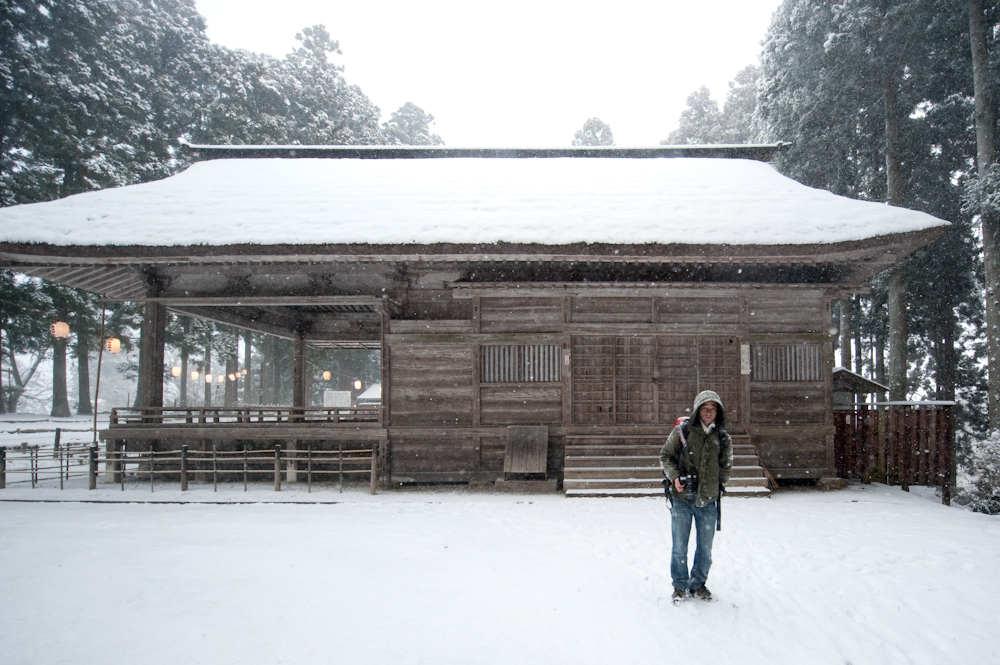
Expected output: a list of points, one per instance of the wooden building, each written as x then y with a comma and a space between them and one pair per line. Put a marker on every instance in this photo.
586, 294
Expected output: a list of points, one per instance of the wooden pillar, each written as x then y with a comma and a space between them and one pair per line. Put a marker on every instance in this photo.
845, 334
154, 329
299, 372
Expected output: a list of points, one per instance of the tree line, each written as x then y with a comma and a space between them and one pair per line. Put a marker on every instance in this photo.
101, 93
884, 100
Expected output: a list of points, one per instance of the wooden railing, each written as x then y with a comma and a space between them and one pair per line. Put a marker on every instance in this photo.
904, 443
349, 460
244, 415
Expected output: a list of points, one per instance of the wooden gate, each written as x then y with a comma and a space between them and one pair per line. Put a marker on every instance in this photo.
905, 443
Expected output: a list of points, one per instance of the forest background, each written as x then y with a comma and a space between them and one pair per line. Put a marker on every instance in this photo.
878, 99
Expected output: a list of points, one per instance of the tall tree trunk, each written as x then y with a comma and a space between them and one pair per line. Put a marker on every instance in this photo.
247, 380
230, 385
3, 393
185, 354
266, 370
845, 334
985, 159
208, 369
83, 406
898, 333
60, 398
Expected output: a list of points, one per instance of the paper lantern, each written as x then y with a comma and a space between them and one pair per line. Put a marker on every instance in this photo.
114, 344
357, 385
175, 371
222, 378
326, 375
60, 329
194, 375
232, 377
208, 378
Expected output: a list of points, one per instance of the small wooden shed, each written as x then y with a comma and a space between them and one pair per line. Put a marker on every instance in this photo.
588, 291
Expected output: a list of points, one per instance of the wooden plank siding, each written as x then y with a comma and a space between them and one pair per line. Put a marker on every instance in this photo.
431, 384
630, 362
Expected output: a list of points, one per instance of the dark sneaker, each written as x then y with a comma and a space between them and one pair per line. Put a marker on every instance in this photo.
702, 593
678, 596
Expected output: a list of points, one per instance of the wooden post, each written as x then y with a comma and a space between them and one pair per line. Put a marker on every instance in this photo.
215, 467
121, 466
245, 469
277, 467
3, 468
309, 470
56, 447
154, 328
61, 455
33, 456
340, 472
150, 467
374, 466
92, 476
184, 468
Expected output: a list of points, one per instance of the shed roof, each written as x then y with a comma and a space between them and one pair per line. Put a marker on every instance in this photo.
471, 201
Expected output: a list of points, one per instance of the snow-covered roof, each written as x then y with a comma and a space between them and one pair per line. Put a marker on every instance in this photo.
552, 201
373, 392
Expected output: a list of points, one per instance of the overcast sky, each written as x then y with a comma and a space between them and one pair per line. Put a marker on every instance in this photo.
519, 73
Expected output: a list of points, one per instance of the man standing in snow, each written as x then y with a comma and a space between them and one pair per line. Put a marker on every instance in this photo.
696, 459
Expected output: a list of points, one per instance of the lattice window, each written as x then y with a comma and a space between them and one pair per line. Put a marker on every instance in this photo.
521, 363
786, 362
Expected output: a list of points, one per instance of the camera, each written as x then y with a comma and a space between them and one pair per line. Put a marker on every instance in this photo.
690, 483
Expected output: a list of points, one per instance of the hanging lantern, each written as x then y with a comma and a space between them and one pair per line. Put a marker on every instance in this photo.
244, 372
232, 377
175, 371
60, 330
195, 374
222, 378
357, 385
327, 375
208, 378
114, 344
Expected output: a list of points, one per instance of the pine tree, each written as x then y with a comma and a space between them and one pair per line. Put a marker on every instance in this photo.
410, 125
595, 132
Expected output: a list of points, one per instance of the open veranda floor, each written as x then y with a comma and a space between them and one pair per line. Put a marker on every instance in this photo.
869, 574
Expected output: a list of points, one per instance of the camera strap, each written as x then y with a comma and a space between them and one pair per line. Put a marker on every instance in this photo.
684, 445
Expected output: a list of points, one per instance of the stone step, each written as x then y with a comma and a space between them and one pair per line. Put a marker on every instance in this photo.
612, 484
646, 472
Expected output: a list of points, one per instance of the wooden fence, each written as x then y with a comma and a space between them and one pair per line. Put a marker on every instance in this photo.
184, 464
180, 416
905, 443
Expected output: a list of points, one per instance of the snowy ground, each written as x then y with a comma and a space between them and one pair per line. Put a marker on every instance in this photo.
869, 574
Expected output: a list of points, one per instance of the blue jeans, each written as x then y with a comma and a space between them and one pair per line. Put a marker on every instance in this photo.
680, 529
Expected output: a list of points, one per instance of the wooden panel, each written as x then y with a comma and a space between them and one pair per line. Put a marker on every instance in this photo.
398, 326
454, 455
612, 310
719, 370
431, 384
795, 455
700, 310
593, 361
677, 360
786, 362
791, 311
787, 403
527, 450
635, 358
520, 315
521, 404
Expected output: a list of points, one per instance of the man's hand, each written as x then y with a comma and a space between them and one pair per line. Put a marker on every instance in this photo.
678, 485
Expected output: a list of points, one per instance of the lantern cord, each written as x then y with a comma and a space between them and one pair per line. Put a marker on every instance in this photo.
100, 356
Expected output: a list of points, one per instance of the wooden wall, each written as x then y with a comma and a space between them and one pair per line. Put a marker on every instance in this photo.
630, 362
